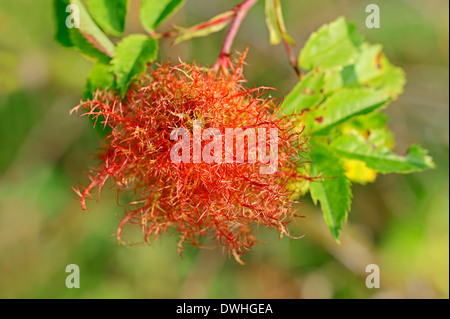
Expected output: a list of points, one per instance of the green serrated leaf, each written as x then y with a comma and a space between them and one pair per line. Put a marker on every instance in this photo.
381, 137
380, 158
271, 22
154, 12
275, 23
333, 45
89, 38
333, 191
215, 24
62, 32
100, 78
86, 48
344, 105
109, 14
370, 69
374, 120
132, 55
371, 126
306, 94
373, 69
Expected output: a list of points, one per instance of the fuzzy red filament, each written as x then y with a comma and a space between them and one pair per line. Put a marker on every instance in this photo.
223, 201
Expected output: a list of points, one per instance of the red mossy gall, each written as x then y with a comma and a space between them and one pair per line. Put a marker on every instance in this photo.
223, 201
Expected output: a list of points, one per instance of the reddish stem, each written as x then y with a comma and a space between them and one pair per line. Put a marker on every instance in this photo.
241, 11
292, 59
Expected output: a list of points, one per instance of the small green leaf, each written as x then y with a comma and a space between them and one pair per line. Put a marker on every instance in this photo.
371, 126
62, 32
132, 55
370, 69
374, 120
86, 47
338, 79
89, 38
275, 23
215, 24
373, 69
306, 94
344, 105
379, 158
271, 21
109, 14
334, 191
381, 137
333, 45
100, 77
154, 12
280, 23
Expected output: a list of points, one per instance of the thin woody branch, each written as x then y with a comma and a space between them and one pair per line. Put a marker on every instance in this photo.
241, 11
292, 59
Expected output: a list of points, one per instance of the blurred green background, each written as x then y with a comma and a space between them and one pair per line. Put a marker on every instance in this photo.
400, 222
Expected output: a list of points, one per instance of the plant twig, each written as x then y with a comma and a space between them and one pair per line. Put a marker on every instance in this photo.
241, 11
292, 59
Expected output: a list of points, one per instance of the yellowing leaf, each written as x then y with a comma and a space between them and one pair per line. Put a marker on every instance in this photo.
358, 172
381, 159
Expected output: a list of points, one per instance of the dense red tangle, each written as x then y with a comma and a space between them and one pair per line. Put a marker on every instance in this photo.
223, 201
